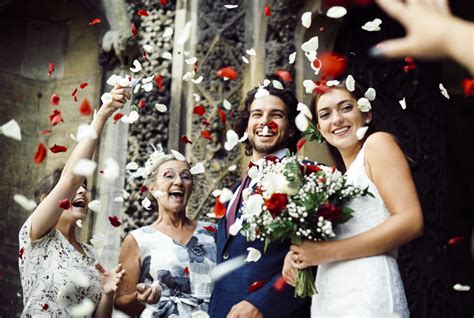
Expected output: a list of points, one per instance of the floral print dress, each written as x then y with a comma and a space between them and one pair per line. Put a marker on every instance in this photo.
56, 279
181, 271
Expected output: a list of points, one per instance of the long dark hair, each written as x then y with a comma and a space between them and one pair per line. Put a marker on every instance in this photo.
291, 103
48, 183
358, 92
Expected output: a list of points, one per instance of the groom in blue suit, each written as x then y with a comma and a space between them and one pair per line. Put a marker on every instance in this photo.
256, 289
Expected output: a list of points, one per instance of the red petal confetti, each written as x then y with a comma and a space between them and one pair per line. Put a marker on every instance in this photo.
50, 69
141, 103
316, 63
164, 2
45, 306
83, 85
285, 76
455, 240
186, 271
222, 116
332, 64
46, 131
142, 13
199, 110
143, 189
114, 221
145, 55
196, 67
228, 72
117, 117
267, 11
55, 99
185, 139
210, 228
410, 64
300, 144
206, 134
272, 125
55, 118
219, 208
95, 21
159, 82
255, 285
334, 168
40, 154
58, 148
279, 284
20, 252
134, 30
85, 109
65, 204
74, 92
468, 84
205, 122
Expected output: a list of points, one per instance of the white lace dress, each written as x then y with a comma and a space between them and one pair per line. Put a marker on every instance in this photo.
363, 287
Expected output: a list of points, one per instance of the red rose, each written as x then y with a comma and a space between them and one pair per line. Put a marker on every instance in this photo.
276, 204
272, 158
311, 169
329, 211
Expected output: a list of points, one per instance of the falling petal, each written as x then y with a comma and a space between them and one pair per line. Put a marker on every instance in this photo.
267, 11
79, 223
350, 83
332, 83
309, 86
232, 168
84, 167
372, 26
306, 19
251, 52
197, 80
364, 105
167, 56
142, 13
85, 131
277, 84
199, 110
253, 255
225, 195
40, 154
459, 287
226, 104
186, 33
206, 134
24, 202
168, 32
332, 64
189, 76
50, 69
118, 199
222, 116
48, 131
146, 203
130, 118
254, 286
57, 148
95, 21
236, 227
11, 129
197, 98
261, 92
198, 168
191, 61
468, 86
301, 122
253, 172
64, 204
137, 67
227, 72
177, 155
455, 240
148, 79
134, 30
114, 221
185, 140
148, 48
403, 103
111, 169
94, 206
83, 85
161, 107
284, 75
148, 87
443, 90
336, 12
300, 144
292, 57
361, 131
305, 109
370, 94
244, 137
246, 60
310, 45
232, 140
86, 308
230, 6
55, 99
164, 2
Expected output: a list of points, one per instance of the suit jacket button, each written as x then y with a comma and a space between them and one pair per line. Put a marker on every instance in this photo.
225, 255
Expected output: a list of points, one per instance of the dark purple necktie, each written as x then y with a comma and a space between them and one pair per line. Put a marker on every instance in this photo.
236, 204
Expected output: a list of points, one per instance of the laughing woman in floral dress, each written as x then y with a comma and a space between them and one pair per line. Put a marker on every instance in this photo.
60, 276
167, 263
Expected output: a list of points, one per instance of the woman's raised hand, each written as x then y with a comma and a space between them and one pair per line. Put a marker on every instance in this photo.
119, 96
110, 279
148, 294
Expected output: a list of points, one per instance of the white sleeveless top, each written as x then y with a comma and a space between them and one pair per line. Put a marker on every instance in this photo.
363, 287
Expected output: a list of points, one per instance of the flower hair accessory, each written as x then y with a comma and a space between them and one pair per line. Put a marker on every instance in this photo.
150, 165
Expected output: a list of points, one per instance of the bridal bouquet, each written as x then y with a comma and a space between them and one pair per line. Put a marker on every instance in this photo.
299, 200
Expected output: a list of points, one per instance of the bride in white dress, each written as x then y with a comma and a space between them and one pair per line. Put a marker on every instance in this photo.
358, 274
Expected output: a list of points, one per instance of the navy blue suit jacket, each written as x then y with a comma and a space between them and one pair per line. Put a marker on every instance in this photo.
232, 288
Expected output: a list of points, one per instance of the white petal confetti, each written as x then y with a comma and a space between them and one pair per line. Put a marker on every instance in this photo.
114, 80
148, 48
167, 56
253, 255
306, 19
443, 90
86, 308
136, 89
232, 168
198, 168
236, 227
178, 155
372, 26
94, 206
130, 118
403, 103
251, 52
265, 130
292, 58
336, 12
191, 61
310, 45
197, 98
11, 129
161, 107
232, 140
148, 79
106, 98
460, 287
118, 199
277, 84
225, 195
226, 104
24, 202
246, 60
230, 6
309, 86
364, 105
137, 67
85, 131
78, 278
332, 83
132, 166
370, 94
168, 32
79, 223
301, 122
361, 131
197, 80
146, 203
226, 267
111, 169
253, 172
189, 76
304, 109
148, 87
84, 167
350, 83
125, 194
244, 137
200, 314
261, 92
186, 33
